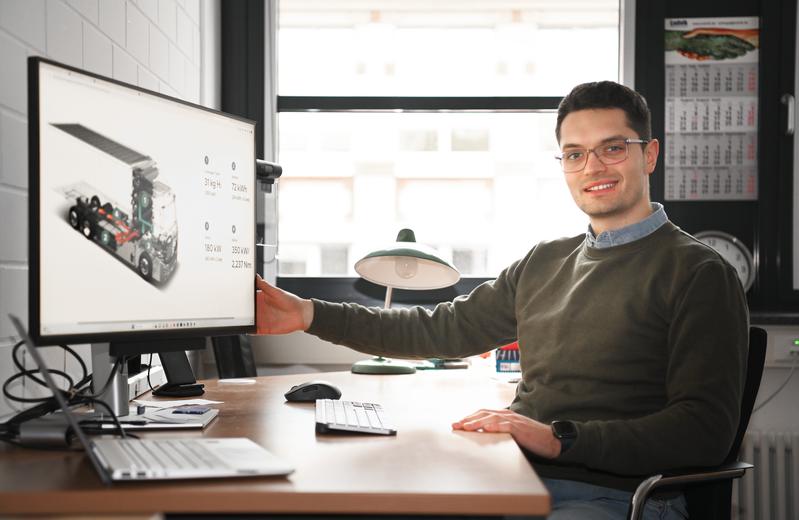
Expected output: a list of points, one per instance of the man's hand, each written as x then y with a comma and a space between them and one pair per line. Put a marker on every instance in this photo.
529, 434
278, 311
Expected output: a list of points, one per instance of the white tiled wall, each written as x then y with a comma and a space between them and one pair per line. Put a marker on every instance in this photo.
154, 44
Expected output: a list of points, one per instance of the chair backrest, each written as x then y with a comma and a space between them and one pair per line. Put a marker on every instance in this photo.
712, 500
754, 373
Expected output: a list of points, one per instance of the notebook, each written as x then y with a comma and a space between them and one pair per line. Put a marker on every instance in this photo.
162, 419
123, 459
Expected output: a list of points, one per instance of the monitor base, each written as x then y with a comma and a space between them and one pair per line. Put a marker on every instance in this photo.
179, 390
381, 365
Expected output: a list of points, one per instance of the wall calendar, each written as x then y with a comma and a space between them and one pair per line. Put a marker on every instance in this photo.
711, 108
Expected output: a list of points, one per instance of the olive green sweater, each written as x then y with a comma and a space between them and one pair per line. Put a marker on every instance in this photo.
643, 345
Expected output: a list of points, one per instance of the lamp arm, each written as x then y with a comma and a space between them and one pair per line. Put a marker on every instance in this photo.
387, 304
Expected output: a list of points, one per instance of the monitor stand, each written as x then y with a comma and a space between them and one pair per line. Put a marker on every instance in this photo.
180, 380
167, 390
173, 359
117, 394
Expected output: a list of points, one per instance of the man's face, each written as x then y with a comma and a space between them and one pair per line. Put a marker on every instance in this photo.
611, 195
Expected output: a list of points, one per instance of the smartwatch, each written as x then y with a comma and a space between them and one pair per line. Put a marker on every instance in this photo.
566, 433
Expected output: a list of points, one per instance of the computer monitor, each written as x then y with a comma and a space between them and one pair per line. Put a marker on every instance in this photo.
142, 215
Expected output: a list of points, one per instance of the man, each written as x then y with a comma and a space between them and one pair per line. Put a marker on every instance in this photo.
633, 336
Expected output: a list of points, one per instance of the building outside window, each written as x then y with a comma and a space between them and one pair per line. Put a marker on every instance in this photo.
438, 116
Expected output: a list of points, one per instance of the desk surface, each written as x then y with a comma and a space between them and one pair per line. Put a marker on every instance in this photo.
426, 469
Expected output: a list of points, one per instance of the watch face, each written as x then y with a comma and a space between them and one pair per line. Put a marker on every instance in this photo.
564, 429
733, 251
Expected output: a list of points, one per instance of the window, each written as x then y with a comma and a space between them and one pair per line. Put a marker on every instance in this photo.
438, 116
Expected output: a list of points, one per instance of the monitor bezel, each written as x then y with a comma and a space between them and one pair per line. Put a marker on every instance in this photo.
34, 264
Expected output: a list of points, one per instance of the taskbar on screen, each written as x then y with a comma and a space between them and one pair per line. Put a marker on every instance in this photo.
66, 329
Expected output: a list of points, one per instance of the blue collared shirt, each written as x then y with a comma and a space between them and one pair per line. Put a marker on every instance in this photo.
627, 234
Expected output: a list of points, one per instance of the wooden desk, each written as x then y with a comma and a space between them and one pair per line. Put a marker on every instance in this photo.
426, 469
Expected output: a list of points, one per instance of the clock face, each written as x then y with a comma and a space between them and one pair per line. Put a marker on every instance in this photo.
733, 251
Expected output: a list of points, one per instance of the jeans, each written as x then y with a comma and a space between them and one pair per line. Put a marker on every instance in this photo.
573, 500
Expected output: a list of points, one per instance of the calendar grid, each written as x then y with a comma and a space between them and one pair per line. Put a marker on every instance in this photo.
711, 113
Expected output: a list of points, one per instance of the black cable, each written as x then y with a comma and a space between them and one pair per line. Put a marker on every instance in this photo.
96, 402
79, 386
23, 372
81, 398
80, 362
16, 360
29, 374
48, 404
108, 381
74, 395
149, 366
6, 431
87, 377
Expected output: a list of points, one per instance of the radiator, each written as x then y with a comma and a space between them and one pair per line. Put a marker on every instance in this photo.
770, 491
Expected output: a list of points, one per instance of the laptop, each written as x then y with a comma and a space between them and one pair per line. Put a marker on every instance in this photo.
124, 459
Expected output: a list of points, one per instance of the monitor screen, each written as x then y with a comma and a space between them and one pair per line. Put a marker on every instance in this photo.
142, 212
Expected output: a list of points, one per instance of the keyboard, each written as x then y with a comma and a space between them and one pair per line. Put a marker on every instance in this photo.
171, 453
333, 415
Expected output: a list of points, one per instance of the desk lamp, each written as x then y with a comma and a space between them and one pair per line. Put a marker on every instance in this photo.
405, 264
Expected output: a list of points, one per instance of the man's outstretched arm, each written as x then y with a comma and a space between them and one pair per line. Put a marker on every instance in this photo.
470, 325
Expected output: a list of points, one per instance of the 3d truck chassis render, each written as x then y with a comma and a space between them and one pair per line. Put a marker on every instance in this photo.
145, 239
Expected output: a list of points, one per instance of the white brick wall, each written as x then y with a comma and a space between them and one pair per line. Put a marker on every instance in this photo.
154, 44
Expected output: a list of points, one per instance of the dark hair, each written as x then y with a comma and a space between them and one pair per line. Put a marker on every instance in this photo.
608, 94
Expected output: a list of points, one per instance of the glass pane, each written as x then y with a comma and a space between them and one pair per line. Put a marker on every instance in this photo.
482, 188
445, 47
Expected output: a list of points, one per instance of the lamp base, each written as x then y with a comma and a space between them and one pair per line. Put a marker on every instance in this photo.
381, 365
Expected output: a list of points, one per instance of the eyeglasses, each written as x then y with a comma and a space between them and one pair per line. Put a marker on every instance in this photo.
610, 152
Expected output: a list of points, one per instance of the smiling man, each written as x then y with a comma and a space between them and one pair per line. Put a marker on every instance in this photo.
630, 366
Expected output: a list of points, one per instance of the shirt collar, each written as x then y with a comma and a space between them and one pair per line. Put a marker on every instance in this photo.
627, 234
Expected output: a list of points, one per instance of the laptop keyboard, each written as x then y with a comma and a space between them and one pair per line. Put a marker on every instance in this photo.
351, 416
170, 454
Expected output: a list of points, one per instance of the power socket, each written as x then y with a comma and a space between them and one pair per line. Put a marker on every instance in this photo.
786, 353
783, 346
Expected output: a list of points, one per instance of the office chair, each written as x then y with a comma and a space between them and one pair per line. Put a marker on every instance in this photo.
234, 356
708, 491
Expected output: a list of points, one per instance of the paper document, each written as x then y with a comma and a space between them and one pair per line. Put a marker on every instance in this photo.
173, 403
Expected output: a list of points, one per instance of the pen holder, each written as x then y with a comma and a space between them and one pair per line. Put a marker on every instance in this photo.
508, 358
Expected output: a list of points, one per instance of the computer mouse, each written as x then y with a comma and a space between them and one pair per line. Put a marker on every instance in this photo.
311, 391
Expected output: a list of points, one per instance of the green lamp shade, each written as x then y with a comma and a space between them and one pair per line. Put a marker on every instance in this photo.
402, 265
406, 264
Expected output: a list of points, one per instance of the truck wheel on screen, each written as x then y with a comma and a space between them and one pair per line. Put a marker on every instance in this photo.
86, 228
145, 266
95, 202
74, 219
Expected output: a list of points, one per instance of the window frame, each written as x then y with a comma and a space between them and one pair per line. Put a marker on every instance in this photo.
259, 74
